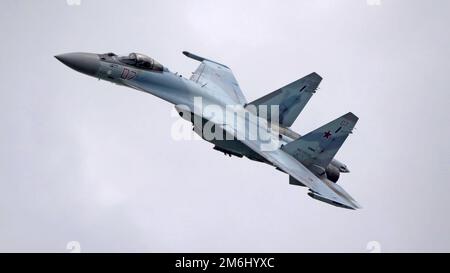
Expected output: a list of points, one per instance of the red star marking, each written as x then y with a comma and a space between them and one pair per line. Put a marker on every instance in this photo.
327, 134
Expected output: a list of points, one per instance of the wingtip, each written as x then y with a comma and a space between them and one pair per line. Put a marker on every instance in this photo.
357, 205
353, 205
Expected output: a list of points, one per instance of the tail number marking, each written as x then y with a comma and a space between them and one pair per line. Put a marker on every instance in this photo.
128, 74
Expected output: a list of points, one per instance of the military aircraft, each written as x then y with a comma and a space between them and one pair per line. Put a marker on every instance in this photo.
308, 159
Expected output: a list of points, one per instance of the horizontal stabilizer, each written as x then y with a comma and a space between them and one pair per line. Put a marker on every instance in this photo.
295, 182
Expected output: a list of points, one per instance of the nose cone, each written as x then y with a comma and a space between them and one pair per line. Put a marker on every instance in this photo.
87, 63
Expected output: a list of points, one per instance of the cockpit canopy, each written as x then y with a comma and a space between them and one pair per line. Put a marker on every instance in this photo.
142, 61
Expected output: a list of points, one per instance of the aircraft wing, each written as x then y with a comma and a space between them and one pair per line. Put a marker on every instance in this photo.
216, 76
321, 189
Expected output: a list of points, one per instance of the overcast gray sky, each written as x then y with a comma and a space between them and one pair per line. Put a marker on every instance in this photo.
88, 161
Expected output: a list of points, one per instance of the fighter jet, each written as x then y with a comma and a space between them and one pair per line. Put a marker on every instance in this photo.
308, 159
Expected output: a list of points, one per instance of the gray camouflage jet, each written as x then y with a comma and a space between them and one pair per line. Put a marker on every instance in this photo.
308, 160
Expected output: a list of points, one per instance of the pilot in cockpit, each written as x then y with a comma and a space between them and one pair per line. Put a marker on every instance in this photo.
142, 61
